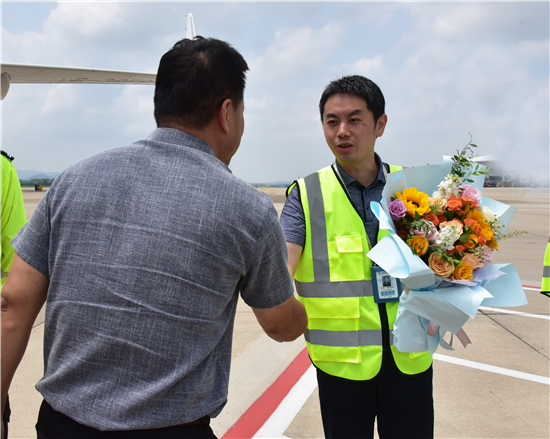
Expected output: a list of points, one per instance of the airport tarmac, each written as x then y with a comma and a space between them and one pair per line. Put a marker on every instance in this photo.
497, 387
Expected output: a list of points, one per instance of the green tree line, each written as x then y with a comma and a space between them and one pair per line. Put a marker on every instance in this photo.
34, 181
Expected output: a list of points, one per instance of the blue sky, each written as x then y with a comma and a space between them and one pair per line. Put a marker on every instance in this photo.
446, 69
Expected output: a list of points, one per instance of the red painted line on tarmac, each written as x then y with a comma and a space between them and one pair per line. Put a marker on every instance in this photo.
527, 286
262, 409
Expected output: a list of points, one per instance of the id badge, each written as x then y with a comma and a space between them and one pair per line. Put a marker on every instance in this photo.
386, 288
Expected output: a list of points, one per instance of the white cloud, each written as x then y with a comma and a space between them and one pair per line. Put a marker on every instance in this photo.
369, 67
83, 19
296, 52
133, 108
61, 100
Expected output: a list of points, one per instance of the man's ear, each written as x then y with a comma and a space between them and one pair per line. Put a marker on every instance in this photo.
224, 115
381, 125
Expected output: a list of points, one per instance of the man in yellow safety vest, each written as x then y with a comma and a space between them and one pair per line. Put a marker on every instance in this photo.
12, 218
545, 289
329, 230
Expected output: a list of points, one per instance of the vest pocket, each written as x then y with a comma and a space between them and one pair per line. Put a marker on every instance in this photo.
346, 258
329, 308
335, 354
333, 325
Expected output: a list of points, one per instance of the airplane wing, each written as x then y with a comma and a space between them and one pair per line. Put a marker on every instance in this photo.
30, 74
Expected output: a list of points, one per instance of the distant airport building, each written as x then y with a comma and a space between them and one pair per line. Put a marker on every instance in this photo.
499, 176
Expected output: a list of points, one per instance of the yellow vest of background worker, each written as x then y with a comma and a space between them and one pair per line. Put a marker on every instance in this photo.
334, 282
12, 214
545, 289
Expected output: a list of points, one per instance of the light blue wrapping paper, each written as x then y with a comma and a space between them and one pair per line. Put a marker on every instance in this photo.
432, 299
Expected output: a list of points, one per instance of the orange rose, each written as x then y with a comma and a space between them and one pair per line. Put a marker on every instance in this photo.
459, 248
463, 271
440, 266
469, 202
472, 260
454, 203
492, 244
470, 223
419, 245
433, 218
471, 243
458, 224
481, 239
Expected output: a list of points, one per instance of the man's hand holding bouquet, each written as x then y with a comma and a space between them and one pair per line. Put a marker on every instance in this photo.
441, 247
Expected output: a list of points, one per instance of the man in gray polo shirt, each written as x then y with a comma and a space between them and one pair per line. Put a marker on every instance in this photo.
140, 253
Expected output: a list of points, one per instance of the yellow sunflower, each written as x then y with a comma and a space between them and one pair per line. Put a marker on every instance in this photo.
414, 201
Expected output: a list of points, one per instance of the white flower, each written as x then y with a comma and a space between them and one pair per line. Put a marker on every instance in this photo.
448, 187
448, 235
488, 215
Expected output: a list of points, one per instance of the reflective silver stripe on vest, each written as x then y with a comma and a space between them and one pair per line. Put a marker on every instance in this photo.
546, 272
358, 288
345, 338
323, 287
319, 247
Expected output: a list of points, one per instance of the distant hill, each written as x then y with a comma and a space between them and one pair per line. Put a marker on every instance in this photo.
30, 174
274, 184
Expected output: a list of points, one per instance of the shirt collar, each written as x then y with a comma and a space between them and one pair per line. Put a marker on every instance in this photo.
178, 137
348, 179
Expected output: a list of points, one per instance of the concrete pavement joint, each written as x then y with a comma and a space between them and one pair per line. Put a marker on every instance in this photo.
515, 335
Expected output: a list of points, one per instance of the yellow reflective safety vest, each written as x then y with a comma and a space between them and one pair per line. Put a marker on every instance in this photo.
545, 289
346, 329
12, 214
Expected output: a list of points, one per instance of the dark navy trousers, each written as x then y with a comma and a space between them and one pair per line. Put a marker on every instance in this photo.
55, 425
402, 404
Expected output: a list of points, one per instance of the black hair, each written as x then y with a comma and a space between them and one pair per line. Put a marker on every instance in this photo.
193, 80
358, 86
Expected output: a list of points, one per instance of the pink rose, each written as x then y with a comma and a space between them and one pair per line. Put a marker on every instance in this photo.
397, 209
426, 230
468, 191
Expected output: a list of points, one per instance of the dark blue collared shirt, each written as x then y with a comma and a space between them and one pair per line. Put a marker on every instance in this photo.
292, 216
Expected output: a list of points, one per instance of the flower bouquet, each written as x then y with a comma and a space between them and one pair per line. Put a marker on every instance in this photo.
441, 247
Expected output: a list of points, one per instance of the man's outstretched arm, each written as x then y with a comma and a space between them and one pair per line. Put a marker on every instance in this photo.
287, 321
284, 322
22, 298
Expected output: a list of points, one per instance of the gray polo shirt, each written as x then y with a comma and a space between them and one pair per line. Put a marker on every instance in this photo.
146, 248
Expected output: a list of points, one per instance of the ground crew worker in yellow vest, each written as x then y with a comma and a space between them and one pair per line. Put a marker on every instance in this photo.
13, 212
329, 229
545, 289
12, 219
